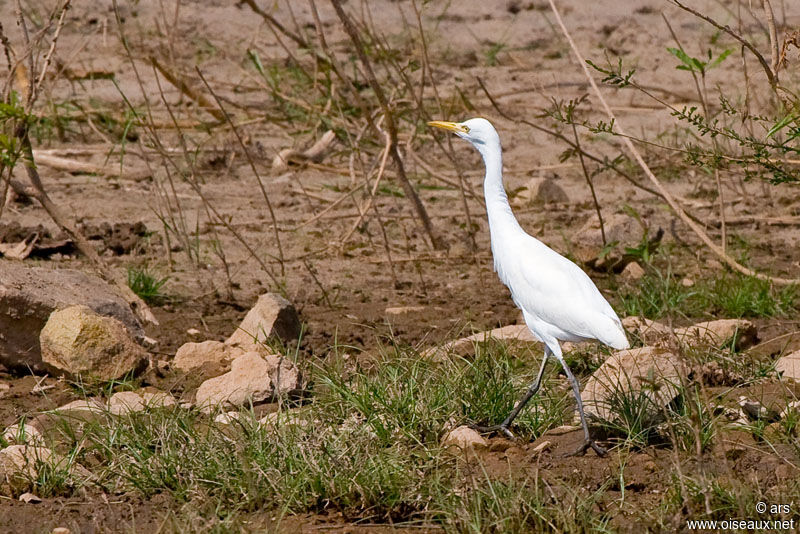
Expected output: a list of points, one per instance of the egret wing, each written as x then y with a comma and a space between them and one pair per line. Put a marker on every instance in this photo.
555, 290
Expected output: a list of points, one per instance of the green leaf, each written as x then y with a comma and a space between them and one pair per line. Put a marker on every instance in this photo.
780, 125
689, 63
720, 58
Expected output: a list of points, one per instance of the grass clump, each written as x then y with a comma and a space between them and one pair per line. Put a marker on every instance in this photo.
367, 446
146, 285
660, 294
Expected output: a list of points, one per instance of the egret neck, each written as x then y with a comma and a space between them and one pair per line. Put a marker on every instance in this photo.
498, 210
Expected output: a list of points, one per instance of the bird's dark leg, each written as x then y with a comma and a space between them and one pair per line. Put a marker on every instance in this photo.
504, 426
587, 441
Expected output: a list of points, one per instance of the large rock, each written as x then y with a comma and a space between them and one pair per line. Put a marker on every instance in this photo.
126, 402
649, 332
789, 366
19, 465
719, 332
654, 372
209, 355
252, 378
79, 342
271, 316
28, 295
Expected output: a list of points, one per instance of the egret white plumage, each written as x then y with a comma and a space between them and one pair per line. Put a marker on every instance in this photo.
558, 300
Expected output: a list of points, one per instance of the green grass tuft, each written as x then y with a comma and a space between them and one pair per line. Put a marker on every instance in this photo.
146, 285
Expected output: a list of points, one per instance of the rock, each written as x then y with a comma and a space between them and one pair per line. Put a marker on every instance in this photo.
251, 379
194, 332
4, 388
272, 315
149, 342
754, 410
649, 332
284, 374
788, 367
720, 332
226, 418
687, 282
543, 190
621, 230
19, 466
633, 271
61, 530
653, 371
79, 342
125, 402
466, 345
777, 347
30, 498
81, 408
211, 357
75, 412
28, 295
464, 438
23, 433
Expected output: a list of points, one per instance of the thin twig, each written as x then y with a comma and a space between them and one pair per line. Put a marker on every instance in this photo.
773, 37
701, 94
252, 167
656, 182
773, 80
351, 30
591, 185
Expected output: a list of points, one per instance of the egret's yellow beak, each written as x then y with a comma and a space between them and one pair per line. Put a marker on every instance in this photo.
452, 126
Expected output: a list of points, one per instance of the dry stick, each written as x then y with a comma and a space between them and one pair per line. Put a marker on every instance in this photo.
364, 208
773, 36
38, 192
664, 193
426, 68
589, 182
437, 242
49, 56
252, 167
184, 88
773, 79
701, 94
208, 206
427, 168
566, 140
321, 214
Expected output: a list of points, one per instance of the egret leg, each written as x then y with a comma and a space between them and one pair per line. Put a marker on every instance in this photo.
534, 387
588, 441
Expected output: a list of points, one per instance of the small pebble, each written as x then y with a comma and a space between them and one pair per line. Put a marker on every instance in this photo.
30, 498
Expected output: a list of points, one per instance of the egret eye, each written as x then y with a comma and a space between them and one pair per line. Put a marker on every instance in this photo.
466, 128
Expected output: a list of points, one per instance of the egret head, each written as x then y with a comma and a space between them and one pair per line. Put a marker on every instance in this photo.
479, 132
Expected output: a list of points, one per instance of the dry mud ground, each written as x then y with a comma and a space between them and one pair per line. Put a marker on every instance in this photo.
342, 287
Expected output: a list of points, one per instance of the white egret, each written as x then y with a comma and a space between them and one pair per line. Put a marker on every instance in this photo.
558, 300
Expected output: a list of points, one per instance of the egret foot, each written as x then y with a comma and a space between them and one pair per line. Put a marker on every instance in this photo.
587, 444
494, 428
